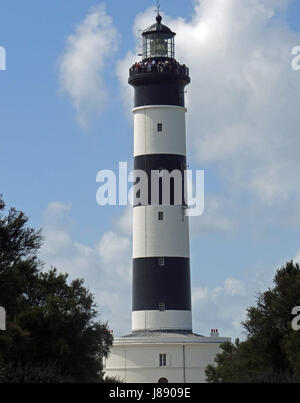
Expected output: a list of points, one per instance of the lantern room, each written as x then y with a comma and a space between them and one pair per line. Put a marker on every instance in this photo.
158, 41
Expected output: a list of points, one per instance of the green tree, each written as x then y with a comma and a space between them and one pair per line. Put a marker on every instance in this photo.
52, 328
271, 352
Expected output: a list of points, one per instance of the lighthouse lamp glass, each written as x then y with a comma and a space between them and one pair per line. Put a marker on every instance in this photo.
158, 46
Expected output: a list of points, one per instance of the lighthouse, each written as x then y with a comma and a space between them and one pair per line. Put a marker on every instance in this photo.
162, 346
161, 255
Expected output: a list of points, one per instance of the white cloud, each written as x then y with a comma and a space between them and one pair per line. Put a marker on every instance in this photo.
218, 308
126, 91
88, 50
56, 211
223, 307
142, 21
297, 257
213, 219
234, 287
124, 223
105, 266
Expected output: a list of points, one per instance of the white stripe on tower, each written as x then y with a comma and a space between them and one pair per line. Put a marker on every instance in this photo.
171, 140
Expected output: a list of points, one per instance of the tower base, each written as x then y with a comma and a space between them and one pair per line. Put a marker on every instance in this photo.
162, 357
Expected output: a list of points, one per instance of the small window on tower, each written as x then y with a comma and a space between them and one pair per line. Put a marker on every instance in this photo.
161, 261
160, 216
162, 307
162, 360
159, 127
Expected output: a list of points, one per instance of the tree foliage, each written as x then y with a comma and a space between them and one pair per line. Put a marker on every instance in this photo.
52, 332
271, 352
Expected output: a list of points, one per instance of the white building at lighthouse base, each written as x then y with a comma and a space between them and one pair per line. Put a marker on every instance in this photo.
162, 357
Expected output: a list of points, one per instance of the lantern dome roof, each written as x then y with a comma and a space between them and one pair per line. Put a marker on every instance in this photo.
158, 28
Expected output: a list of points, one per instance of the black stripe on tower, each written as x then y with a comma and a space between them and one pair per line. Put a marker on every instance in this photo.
159, 94
159, 89
154, 284
159, 162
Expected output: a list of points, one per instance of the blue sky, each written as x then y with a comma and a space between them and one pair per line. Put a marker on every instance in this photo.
242, 123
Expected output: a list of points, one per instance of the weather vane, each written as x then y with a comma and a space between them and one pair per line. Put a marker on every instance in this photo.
158, 6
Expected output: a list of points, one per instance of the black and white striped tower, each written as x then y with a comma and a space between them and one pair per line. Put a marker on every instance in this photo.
161, 253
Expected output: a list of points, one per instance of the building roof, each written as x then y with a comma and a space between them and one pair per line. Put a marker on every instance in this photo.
163, 334
164, 337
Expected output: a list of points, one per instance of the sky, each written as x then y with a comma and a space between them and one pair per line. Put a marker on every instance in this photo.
65, 114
